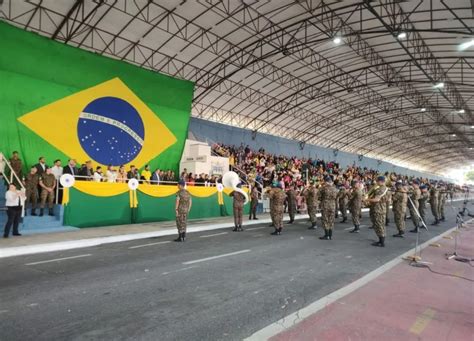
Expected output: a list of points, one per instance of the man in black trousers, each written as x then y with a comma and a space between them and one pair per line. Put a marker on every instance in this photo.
13, 202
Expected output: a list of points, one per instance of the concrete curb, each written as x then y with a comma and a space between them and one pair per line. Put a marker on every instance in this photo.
298, 316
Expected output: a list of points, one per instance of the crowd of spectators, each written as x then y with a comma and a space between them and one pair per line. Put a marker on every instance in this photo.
266, 168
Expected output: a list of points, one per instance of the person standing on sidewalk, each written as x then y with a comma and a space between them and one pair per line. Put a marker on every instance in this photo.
182, 207
13, 199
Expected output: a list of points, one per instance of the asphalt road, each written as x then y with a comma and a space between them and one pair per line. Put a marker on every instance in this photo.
219, 285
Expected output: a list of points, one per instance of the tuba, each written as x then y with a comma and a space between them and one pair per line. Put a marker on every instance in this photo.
231, 180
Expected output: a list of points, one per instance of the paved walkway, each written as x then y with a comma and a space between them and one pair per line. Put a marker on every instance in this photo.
404, 303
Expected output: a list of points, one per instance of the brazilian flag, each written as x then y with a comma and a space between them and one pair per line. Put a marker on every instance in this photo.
62, 102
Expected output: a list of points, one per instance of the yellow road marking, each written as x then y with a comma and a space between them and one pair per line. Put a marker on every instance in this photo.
422, 321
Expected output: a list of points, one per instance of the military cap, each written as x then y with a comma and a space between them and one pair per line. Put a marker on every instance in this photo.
381, 178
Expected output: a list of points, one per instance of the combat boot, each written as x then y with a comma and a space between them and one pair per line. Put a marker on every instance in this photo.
235, 229
326, 235
312, 227
387, 221
330, 234
400, 234
183, 236
336, 215
180, 238
344, 219
33, 212
380, 243
436, 222
356, 229
415, 230
275, 233
41, 212
240, 229
443, 218
51, 212
279, 231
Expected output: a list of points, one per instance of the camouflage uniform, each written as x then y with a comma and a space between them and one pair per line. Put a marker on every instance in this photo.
291, 199
31, 185
310, 195
378, 210
277, 207
253, 203
238, 205
342, 200
441, 202
355, 205
415, 196
422, 204
434, 203
327, 197
17, 168
387, 207
49, 181
183, 210
399, 206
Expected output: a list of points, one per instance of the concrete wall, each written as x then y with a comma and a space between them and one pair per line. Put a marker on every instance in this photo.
211, 132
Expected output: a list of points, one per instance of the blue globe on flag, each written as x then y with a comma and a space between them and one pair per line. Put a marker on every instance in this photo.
111, 131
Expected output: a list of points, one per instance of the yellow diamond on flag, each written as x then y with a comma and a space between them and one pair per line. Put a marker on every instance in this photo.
106, 123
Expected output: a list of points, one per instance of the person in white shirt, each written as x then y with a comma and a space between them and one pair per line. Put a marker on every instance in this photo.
57, 169
14, 200
111, 174
98, 174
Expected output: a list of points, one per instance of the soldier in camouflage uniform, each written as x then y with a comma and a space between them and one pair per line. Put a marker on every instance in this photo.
355, 205
342, 201
310, 195
31, 182
182, 207
422, 201
414, 205
434, 203
291, 200
17, 165
378, 209
399, 206
238, 206
253, 203
441, 201
48, 184
327, 197
277, 208
389, 185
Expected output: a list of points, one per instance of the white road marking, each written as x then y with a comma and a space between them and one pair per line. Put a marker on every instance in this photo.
59, 259
256, 228
150, 244
179, 270
216, 257
212, 235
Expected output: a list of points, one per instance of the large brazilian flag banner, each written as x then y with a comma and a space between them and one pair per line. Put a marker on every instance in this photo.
62, 102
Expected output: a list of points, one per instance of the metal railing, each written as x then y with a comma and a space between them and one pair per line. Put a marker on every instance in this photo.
12, 176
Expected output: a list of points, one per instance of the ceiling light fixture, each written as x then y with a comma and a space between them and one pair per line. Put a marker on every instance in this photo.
453, 135
402, 35
462, 111
439, 85
337, 40
423, 109
466, 45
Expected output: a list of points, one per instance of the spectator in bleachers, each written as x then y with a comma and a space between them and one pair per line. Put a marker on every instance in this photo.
146, 175
57, 170
98, 174
41, 166
71, 168
133, 173
121, 175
